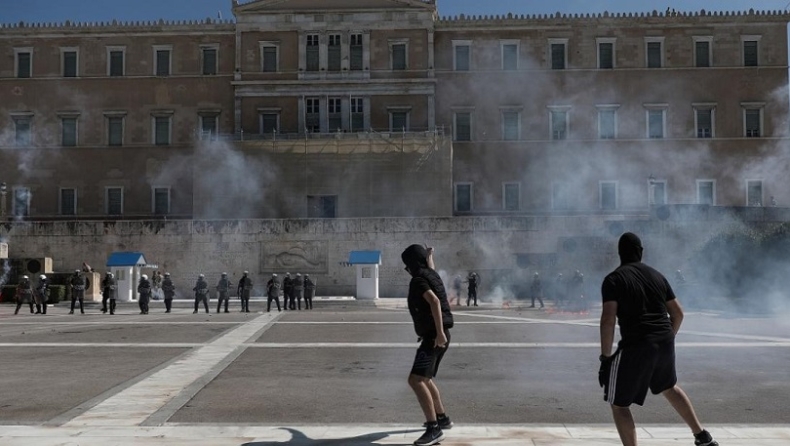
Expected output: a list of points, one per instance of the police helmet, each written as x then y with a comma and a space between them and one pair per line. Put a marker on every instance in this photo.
109, 275
144, 277
167, 274
202, 276
246, 272
274, 275
76, 271
42, 277
25, 277
224, 274
287, 274
299, 274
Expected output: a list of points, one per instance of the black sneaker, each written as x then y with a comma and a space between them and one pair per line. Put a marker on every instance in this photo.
433, 435
444, 423
704, 438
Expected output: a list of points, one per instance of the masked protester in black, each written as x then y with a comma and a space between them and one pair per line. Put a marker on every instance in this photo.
169, 290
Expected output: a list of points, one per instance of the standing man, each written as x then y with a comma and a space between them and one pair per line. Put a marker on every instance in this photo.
288, 290
272, 293
641, 301
24, 294
536, 290
298, 285
77, 283
223, 292
473, 281
107, 293
430, 312
244, 289
169, 291
41, 294
144, 289
201, 293
309, 292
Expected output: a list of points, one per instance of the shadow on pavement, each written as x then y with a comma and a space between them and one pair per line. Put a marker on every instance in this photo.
300, 439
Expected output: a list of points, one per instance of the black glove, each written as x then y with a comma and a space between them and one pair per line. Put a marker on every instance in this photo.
604, 370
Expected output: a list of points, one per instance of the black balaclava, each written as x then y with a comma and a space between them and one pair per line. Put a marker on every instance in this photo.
415, 257
629, 248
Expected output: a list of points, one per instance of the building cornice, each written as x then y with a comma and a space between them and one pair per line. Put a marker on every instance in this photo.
118, 27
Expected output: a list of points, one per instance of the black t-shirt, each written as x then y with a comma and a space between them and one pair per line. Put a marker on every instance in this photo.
641, 294
420, 309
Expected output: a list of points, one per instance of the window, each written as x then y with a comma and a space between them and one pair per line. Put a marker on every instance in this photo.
754, 192
462, 51
115, 130
116, 65
162, 66
703, 120
463, 126
558, 53
753, 119
511, 196
321, 206
463, 197
751, 51
510, 56
357, 114
68, 136
398, 53
312, 52
160, 200
208, 125
558, 123
22, 130
706, 192
313, 115
654, 48
113, 200
68, 201
399, 120
335, 106
511, 120
161, 130
269, 122
270, 57
356, 52
608, 195
657, 192
703, 51
333, 53
560, 196
209, 59
606, 55
21, 204
656, 121
23, 58
607, 121
69, 61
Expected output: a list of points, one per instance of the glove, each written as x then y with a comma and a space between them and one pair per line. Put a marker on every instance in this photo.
604, 370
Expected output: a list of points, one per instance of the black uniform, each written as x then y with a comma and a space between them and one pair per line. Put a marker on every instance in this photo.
144, 290
77, 283
223, 292
108, 291
536, 291
41, 295
244, 289
474, 281
309, 292
272, 293
298, 285
288, 290
169, 291
24, 294
201, 293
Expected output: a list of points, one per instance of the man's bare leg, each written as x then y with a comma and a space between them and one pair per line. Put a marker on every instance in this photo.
438, 407
682, 405
420, 386
624, 422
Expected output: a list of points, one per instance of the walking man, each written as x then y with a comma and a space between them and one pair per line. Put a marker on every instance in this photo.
144, 290
169, 290
41, 294
430, 312
536, 290
244, 289
309, 292
641, 301
272, 293
24, 294
77, 283
223, 292
201, 293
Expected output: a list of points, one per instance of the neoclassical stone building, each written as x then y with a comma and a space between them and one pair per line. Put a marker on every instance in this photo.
384, 108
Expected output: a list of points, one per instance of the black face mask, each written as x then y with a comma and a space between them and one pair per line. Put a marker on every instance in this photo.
629, 248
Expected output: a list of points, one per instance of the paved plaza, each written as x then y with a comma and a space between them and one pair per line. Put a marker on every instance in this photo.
337, 376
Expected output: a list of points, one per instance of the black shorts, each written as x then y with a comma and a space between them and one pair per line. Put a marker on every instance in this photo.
428, 358
649, 365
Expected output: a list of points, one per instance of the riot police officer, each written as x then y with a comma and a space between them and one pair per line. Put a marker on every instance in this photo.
24, 294
108, 287
223, 292
288, 290
309, 292
272, 293
41, 294
244, 289
77, 283
536, 290
144, 290
473, 280
201, 293
169, 291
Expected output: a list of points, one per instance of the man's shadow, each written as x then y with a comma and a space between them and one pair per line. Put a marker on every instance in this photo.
300, 439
